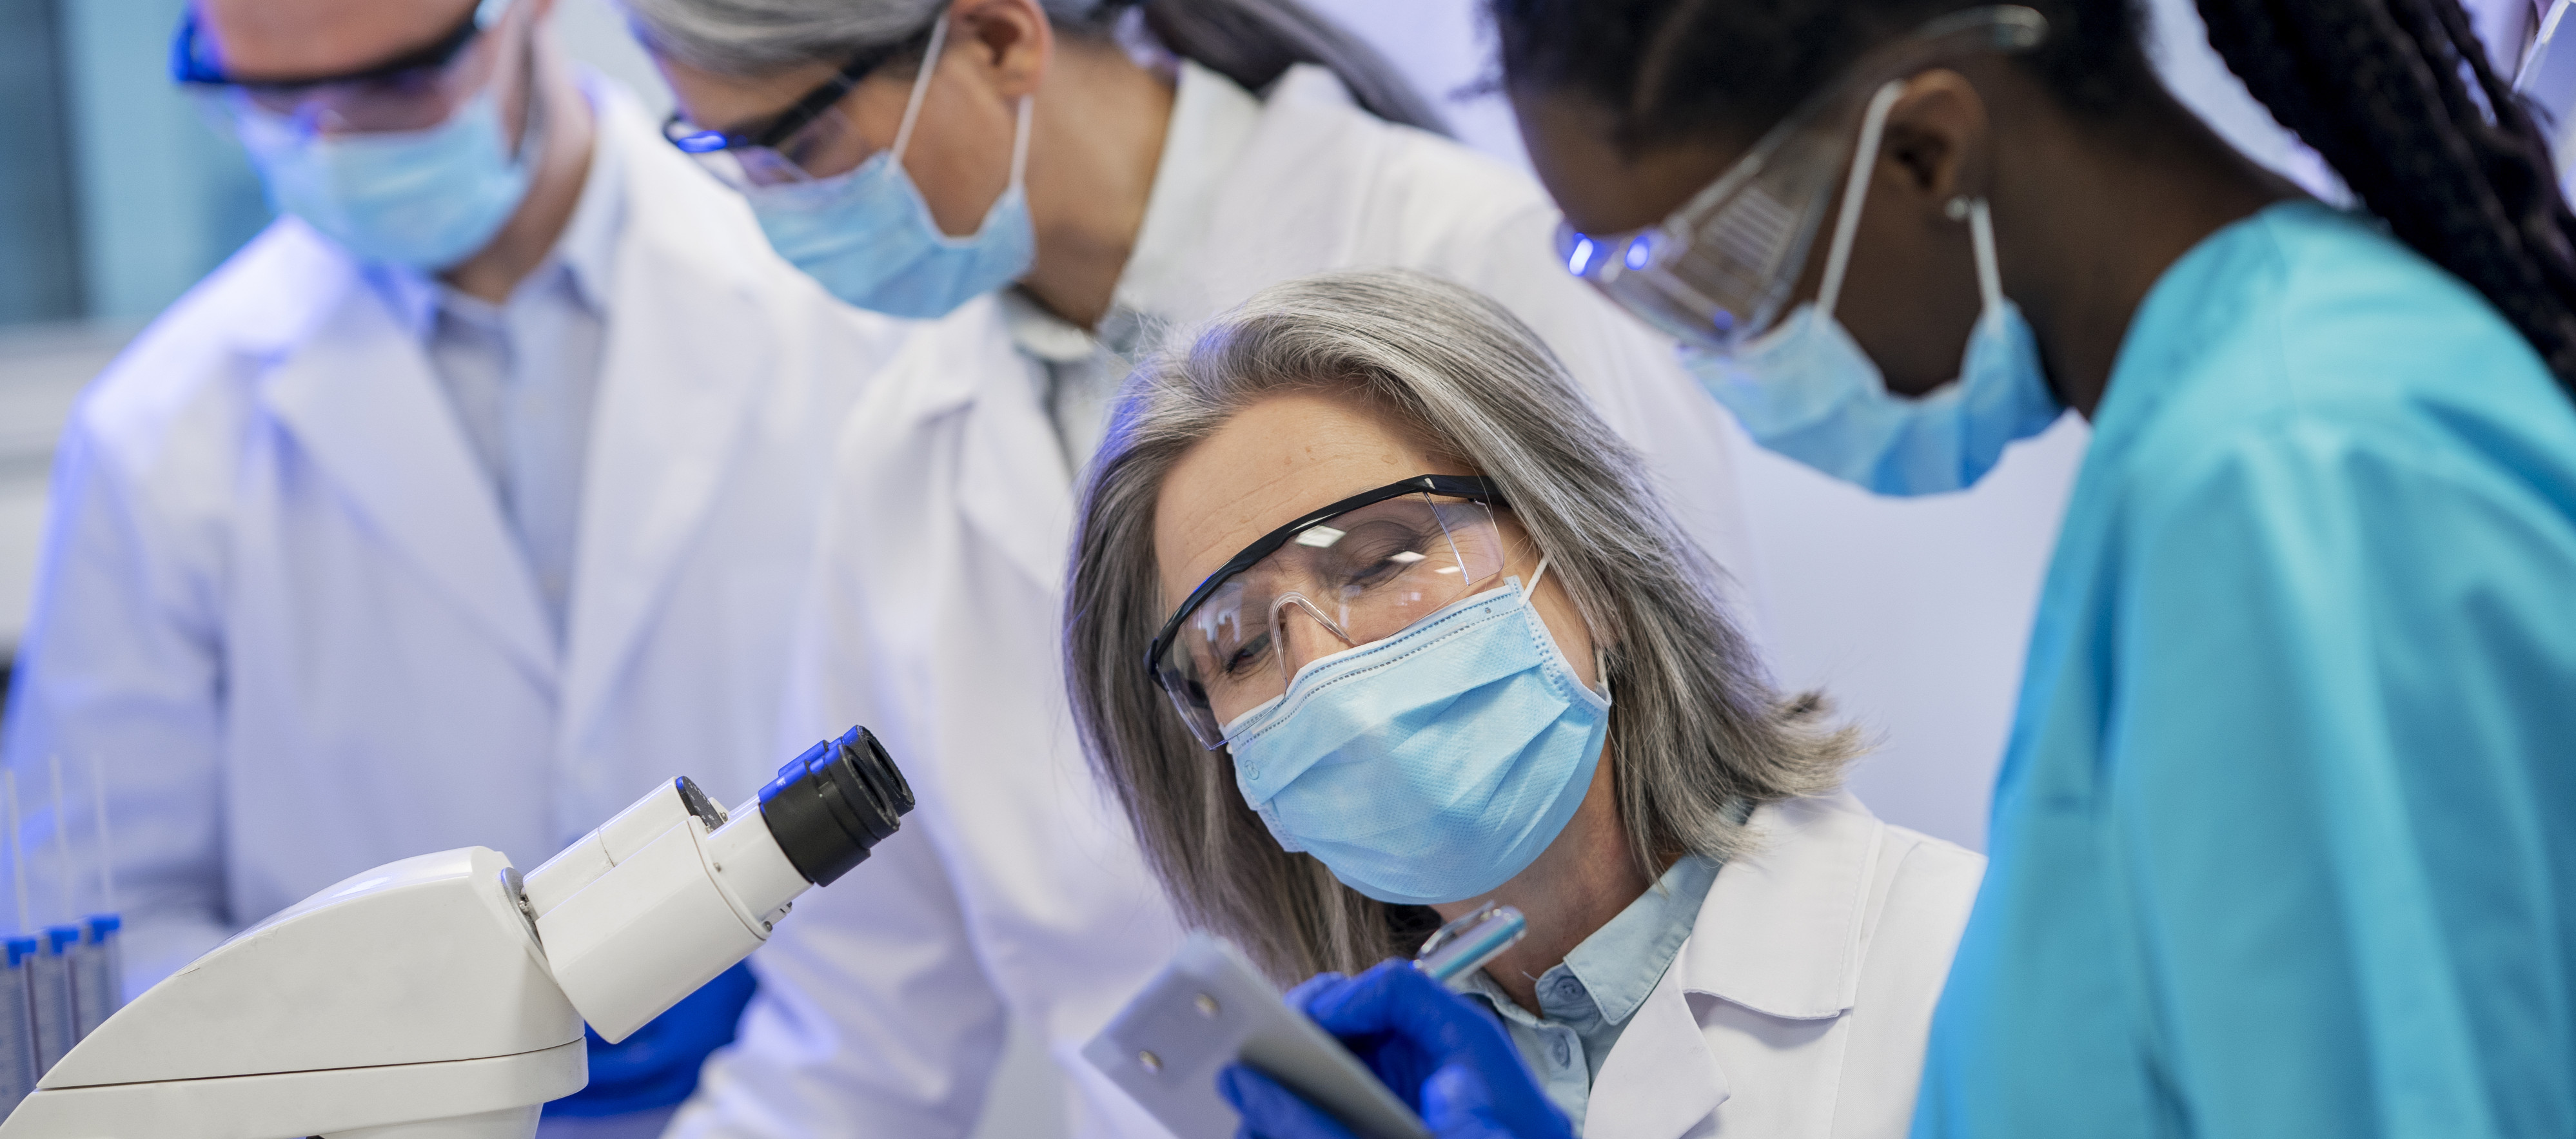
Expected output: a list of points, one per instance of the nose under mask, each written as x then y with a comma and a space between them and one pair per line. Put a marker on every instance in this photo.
425, 199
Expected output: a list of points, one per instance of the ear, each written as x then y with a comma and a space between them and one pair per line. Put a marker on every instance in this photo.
1936, 126
1010, 41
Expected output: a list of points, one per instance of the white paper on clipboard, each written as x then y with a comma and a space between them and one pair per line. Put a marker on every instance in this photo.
1208, 1008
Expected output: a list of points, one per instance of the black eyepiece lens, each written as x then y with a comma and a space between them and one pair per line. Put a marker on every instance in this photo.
831, 805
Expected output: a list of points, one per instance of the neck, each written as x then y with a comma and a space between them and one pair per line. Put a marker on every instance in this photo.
1577, 885
2107, 212
1093, 150
558, 170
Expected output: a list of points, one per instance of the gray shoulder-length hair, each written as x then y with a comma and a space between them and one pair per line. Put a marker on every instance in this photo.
1249, 41
1697, 733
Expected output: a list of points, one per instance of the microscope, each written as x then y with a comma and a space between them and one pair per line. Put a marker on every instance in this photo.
443, 996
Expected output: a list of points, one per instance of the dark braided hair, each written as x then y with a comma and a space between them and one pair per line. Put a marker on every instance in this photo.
2396, 95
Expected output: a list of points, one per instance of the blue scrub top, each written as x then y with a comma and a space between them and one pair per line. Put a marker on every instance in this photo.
2285, 838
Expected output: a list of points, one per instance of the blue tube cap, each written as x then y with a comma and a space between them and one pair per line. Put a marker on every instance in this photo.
101, 926
20, 949
61, 937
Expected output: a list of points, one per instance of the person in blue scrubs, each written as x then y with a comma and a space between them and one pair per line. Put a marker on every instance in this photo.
2284, 842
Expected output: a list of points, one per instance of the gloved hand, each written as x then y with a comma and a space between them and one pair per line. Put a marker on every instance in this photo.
1444, 1057
658, 1065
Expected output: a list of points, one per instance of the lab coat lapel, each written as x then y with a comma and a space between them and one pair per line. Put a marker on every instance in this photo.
1660, 1080
1781, 930
1013, 487
358, 395
677, 380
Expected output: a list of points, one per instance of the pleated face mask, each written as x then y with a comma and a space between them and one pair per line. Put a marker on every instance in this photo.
1431, 766
1443, 745
869, 237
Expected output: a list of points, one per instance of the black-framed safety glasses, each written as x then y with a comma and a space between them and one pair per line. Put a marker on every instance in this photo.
1361, 569
764, 152
192, 63
408, 92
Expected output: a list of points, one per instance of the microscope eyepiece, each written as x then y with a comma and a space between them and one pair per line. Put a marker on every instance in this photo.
829, 806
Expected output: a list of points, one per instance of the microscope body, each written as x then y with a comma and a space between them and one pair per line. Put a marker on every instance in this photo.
443, 996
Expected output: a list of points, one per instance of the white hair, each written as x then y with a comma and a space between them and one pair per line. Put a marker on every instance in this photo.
1697, 734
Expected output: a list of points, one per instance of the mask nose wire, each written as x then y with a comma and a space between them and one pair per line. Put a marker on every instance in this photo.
1873, 125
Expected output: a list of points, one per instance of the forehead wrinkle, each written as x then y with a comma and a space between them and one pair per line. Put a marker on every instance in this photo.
1285, 483
317, 37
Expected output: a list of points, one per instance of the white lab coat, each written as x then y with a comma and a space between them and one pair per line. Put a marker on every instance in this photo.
1799, 1006
1016, 891
282, 607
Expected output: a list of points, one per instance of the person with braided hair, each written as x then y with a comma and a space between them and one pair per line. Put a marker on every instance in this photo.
2284, 842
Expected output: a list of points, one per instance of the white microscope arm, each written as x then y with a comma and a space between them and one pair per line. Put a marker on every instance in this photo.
442, 997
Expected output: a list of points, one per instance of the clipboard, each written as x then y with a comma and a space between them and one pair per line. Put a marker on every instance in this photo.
1209, 1008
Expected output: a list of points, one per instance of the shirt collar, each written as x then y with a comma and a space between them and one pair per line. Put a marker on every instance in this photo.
1623, 960
586, 250
1620, 964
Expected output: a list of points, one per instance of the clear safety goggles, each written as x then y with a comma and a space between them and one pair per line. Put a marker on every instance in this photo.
1353, 573
414, 91
811, 139
1721, 270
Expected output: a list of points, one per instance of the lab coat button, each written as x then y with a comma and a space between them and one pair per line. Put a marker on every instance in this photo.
1564, 1053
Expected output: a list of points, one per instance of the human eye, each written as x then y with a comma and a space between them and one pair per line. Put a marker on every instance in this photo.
1379, 553
1245, 657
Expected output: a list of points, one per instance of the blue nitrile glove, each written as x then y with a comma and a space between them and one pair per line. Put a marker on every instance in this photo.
1444, 1057
658, 1065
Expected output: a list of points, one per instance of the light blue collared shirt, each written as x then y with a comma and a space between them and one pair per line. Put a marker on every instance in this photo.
1586, 1002
522, 376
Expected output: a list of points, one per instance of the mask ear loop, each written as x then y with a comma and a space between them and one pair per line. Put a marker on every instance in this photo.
921, 85
532, 128
1020, 145
1600, 655
1981, 234
1873, 125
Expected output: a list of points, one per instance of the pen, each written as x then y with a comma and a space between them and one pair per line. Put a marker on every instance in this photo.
1465, 945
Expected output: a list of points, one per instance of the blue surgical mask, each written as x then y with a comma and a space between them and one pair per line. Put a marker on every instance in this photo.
1806, 389
425, 199
869, 238
1431, 766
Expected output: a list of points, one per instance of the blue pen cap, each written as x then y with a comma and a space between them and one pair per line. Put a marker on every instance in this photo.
20, 949
61, 937
103, 926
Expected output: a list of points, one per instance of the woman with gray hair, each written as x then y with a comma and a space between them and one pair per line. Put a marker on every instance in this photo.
1047, 183
1373, 620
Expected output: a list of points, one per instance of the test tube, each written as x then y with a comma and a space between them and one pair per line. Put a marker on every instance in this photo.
104, 950
17, 1025
98, 968
50, 991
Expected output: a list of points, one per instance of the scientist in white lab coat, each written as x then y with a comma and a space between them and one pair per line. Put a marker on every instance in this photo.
1056, 182
1371, 618
461, 507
